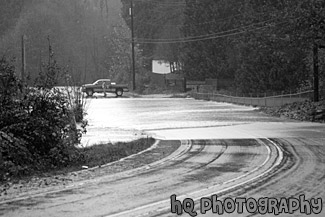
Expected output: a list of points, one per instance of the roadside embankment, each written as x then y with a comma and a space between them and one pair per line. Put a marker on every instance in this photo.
287, 106
96, 156
302, 111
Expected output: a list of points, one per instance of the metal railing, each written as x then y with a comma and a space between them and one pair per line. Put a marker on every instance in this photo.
269, 101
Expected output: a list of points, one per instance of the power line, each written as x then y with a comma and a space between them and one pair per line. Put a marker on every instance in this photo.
235, 31
267, 13
180, 3
171, 3
207, 37
212, 34
202, 23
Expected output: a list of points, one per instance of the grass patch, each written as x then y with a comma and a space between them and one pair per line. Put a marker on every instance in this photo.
92, 156
105, 153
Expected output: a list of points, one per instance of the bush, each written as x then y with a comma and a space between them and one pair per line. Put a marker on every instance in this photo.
14, 156
37, 128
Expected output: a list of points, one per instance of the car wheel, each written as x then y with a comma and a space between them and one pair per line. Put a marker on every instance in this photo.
119, 92
89, 92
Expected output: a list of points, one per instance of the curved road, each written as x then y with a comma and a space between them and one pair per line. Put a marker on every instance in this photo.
239, 158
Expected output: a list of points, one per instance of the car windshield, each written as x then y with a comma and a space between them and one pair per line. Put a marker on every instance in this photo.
100, 82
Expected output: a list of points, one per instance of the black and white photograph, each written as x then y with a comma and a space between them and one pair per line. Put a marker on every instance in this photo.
162, 108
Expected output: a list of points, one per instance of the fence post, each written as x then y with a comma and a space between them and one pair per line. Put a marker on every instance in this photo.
251, 95
290, 94
299, 93
236, 97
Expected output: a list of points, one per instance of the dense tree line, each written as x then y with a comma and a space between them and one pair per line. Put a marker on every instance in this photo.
87, 37
260, 45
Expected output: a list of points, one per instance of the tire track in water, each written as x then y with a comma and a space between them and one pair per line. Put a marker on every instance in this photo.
161, 208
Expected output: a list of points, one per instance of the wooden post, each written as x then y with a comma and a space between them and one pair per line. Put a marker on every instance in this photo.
23, 59
251, 95
290, 94
133, 45
316, 73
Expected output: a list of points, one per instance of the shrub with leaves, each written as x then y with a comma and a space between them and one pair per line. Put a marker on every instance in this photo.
37, 128
15, 158
9, 83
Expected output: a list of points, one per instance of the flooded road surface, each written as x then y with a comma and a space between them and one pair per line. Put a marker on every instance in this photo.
230, 151
125, 119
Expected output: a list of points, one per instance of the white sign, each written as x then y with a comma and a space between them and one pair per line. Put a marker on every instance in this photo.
160, 67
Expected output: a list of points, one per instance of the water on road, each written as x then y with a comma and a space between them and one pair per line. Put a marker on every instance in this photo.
125, 119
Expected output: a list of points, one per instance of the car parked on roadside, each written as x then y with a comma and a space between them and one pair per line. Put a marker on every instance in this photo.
104, 86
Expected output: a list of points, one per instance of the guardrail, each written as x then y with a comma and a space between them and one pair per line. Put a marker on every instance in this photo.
270, 101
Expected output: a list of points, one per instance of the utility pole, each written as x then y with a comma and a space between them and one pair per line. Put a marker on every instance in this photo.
50, 50
316, 73
23, 60
133, 55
